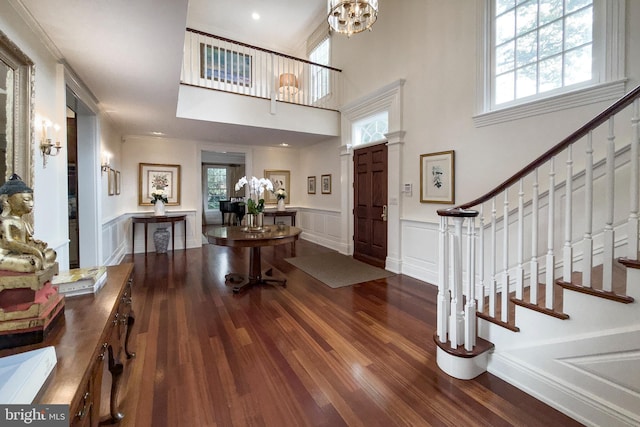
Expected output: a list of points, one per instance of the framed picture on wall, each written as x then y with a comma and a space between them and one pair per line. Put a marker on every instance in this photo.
311, 185
325, 184
155, 176
437, 177
279, 179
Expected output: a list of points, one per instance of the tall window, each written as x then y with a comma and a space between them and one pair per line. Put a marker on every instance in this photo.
540, 46
216, 186
319, 75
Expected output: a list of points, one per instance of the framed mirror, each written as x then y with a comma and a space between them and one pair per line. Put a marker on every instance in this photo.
16, 112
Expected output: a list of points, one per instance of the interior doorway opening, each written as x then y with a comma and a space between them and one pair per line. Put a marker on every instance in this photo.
220, 172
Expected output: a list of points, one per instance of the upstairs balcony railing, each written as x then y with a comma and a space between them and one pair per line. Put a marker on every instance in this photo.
218, 63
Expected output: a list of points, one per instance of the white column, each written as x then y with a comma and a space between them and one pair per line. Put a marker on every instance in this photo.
444, 297
533, 285
395, 199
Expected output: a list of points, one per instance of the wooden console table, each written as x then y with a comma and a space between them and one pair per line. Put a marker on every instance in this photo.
153, 219
95, 330
291, 213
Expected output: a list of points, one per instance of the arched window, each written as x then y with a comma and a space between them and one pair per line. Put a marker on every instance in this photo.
371, 129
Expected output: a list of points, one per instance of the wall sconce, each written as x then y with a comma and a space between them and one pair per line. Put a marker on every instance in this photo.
47, 146
106, 162
288, 84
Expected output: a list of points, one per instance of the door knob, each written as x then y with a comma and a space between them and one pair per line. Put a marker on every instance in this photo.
384, 213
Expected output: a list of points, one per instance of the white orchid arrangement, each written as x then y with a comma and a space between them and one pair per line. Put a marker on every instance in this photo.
257, 187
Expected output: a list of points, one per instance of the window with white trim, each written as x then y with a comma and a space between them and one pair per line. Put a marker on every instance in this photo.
320, 75
538, 50
371, 129
540, 46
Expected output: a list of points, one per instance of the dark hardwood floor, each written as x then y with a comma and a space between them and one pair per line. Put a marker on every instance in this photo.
304, 355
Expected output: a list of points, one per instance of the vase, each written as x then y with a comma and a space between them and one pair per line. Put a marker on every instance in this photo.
281, 206
161, 239
158, 208
255, 221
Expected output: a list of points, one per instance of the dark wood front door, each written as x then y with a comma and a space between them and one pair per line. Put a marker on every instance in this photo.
370, 204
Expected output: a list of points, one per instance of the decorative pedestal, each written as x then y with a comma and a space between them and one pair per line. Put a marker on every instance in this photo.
29, 306
161, 240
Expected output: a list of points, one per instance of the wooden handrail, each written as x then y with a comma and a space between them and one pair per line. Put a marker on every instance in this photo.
202, 33
575, 136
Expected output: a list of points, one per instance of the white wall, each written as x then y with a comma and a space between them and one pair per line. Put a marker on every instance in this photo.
415, 40
50, 183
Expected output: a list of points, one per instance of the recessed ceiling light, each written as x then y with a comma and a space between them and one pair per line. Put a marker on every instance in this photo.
157, 133
284, 144
255, 16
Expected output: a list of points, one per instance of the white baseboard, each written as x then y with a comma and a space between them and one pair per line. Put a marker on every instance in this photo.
587, 408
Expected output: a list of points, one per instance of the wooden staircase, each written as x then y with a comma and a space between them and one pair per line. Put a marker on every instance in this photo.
545, 297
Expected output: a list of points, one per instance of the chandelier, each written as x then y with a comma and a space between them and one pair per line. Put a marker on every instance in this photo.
352, 16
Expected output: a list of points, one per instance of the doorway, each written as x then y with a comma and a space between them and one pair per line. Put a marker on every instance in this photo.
370, 166
72, 188
83, 162
220, 172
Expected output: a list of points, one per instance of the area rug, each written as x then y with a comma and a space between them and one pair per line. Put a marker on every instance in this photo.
336, 270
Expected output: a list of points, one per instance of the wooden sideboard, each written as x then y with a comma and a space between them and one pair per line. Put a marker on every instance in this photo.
95, 330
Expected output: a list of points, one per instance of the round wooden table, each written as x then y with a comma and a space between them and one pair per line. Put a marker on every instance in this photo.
235, 236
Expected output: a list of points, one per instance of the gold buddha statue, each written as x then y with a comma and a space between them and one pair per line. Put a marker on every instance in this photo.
19, 251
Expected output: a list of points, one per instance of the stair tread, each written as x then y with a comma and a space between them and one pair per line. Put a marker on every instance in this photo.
618, 293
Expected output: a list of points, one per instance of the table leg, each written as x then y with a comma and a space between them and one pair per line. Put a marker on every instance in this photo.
255, 274
133, 238
173, 238
145, 238
185, 234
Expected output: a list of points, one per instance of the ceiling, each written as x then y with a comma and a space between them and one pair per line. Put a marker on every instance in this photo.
129, 54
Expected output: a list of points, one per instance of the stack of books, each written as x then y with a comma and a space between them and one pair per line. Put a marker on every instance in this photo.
80, 281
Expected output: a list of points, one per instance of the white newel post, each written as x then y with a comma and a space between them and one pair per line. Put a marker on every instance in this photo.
444, 296
456, 327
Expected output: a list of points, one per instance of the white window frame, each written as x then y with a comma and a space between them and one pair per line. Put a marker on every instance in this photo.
359, 125
320, 74
609, 79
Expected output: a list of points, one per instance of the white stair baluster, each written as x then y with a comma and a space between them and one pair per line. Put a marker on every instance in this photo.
550, 258
567, 251
493, 261
533, 286
607, 260
587, 241
520, 267
504, 300
480, 257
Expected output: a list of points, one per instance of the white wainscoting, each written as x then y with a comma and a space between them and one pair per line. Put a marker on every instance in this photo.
322, 227
419, 250
116, 236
